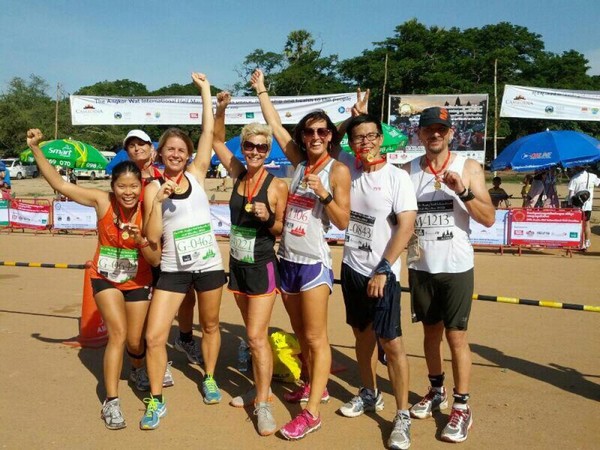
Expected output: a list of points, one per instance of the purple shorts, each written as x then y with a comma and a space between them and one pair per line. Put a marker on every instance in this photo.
297, 277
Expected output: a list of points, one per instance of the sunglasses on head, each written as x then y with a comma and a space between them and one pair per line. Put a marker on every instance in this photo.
260, 148
321, 132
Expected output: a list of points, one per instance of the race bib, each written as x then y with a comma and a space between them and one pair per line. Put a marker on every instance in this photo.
194, 243
435, 220
117, 264
242, 241
359, 233
298, 213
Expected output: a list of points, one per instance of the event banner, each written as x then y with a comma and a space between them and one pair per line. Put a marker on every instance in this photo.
4, 204
73, 216
469, 121
497, 234
542, 103
27, 215
547, 227
187, 110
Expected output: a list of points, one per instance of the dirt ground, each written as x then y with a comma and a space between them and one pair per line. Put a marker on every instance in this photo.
535, 378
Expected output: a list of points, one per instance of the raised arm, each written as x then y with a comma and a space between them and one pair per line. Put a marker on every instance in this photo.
201, 162
229, 161
152, 209
85, 196
287, 144
360, 107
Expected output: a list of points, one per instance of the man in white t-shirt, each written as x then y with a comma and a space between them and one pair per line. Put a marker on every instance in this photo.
382, 216
584, 181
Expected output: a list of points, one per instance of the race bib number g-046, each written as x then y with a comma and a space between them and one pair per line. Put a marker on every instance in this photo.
242, 241
435, 220
298, 213
359, 233
194, 243
117, 264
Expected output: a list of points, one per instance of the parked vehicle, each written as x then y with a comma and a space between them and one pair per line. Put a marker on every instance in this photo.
95, 174
18, 170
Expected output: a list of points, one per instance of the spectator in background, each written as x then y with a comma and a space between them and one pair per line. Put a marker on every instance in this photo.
526, 187
584, 181
498, 194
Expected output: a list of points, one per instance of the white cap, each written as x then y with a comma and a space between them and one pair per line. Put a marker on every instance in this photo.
138, 134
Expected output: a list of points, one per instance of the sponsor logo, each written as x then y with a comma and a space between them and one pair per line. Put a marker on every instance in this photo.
88, 106
537, 155
148, 114
157, 115
519, 100
584, 109
288, 114
549, 109
595, 110
88, 109
518, 232
520, 97
573, 234
249, 115
193, 115
117, 115
341, 110
530, 233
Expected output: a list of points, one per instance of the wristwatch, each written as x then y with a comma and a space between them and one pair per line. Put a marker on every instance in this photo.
466, 195
327, 200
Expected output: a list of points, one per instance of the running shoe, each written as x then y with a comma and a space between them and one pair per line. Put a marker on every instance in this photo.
139, 378
300, 426
400, 437
168, 380
302, 394
154, 411
434, 401
191, 350
266, 423
458, 426
112, 415
248, 399
364, 402
210, 390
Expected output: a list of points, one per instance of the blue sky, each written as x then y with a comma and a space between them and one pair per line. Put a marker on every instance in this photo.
80, 42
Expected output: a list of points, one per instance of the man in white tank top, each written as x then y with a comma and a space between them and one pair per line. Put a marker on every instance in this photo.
450, 189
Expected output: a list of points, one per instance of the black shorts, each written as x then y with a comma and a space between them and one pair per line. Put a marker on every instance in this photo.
361, 310
253, 280
155, 274
132, 295
439, 297
182, 281
587, 215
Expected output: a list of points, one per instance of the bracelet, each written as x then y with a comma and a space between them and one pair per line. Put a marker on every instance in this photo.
270, 221
144, 245
467, 197
261, 92
462, 193
327, 200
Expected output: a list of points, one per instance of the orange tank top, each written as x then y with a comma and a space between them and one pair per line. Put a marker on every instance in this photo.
118, 260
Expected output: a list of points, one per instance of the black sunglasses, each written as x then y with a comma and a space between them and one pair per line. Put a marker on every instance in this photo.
321, 132
260, 148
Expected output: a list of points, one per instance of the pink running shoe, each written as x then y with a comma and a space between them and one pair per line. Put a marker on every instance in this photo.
301, 395
300, 426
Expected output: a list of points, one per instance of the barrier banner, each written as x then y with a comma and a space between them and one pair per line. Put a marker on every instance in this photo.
547, 227
554, 104
4, 205
30, 216
469, 122
220, 218
72, 215
187, 110
497, 234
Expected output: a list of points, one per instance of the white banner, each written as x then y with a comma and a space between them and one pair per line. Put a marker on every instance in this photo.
187, 110
4, 205
73, 216
469, 122
497, 234
557, 104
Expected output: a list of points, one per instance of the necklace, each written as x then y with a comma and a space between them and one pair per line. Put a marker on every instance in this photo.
178, 189
311, 169
250, 195
437, 185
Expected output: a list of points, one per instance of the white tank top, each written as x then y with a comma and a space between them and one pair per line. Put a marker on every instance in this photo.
442, 224
306, 223
188, 240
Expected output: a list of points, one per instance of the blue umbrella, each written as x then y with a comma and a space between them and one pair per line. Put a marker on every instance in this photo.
548, 149
277, 156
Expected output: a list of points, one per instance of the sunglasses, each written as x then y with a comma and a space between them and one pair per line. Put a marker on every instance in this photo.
260, 148
321, 132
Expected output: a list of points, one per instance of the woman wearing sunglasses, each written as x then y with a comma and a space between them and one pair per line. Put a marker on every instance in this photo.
257, 208
319, 195
121, 275
176, 212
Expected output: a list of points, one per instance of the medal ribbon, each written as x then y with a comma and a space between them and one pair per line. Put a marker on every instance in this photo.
311, 169
435, 174
177, 181
121, 219
250, 195
358, 161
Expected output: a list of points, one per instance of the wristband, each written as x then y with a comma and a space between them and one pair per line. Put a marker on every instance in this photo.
261, 92
462, 193
467, 197
270, 221
383, 267
327, 200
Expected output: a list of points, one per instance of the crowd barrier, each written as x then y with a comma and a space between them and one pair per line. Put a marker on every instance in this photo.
517, 227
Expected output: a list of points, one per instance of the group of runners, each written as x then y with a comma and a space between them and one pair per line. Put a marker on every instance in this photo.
157, 254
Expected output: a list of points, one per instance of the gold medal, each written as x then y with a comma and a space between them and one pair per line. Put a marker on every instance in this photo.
303, 185
178, 190
437, 185
369, 157
125, 235
248, 207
